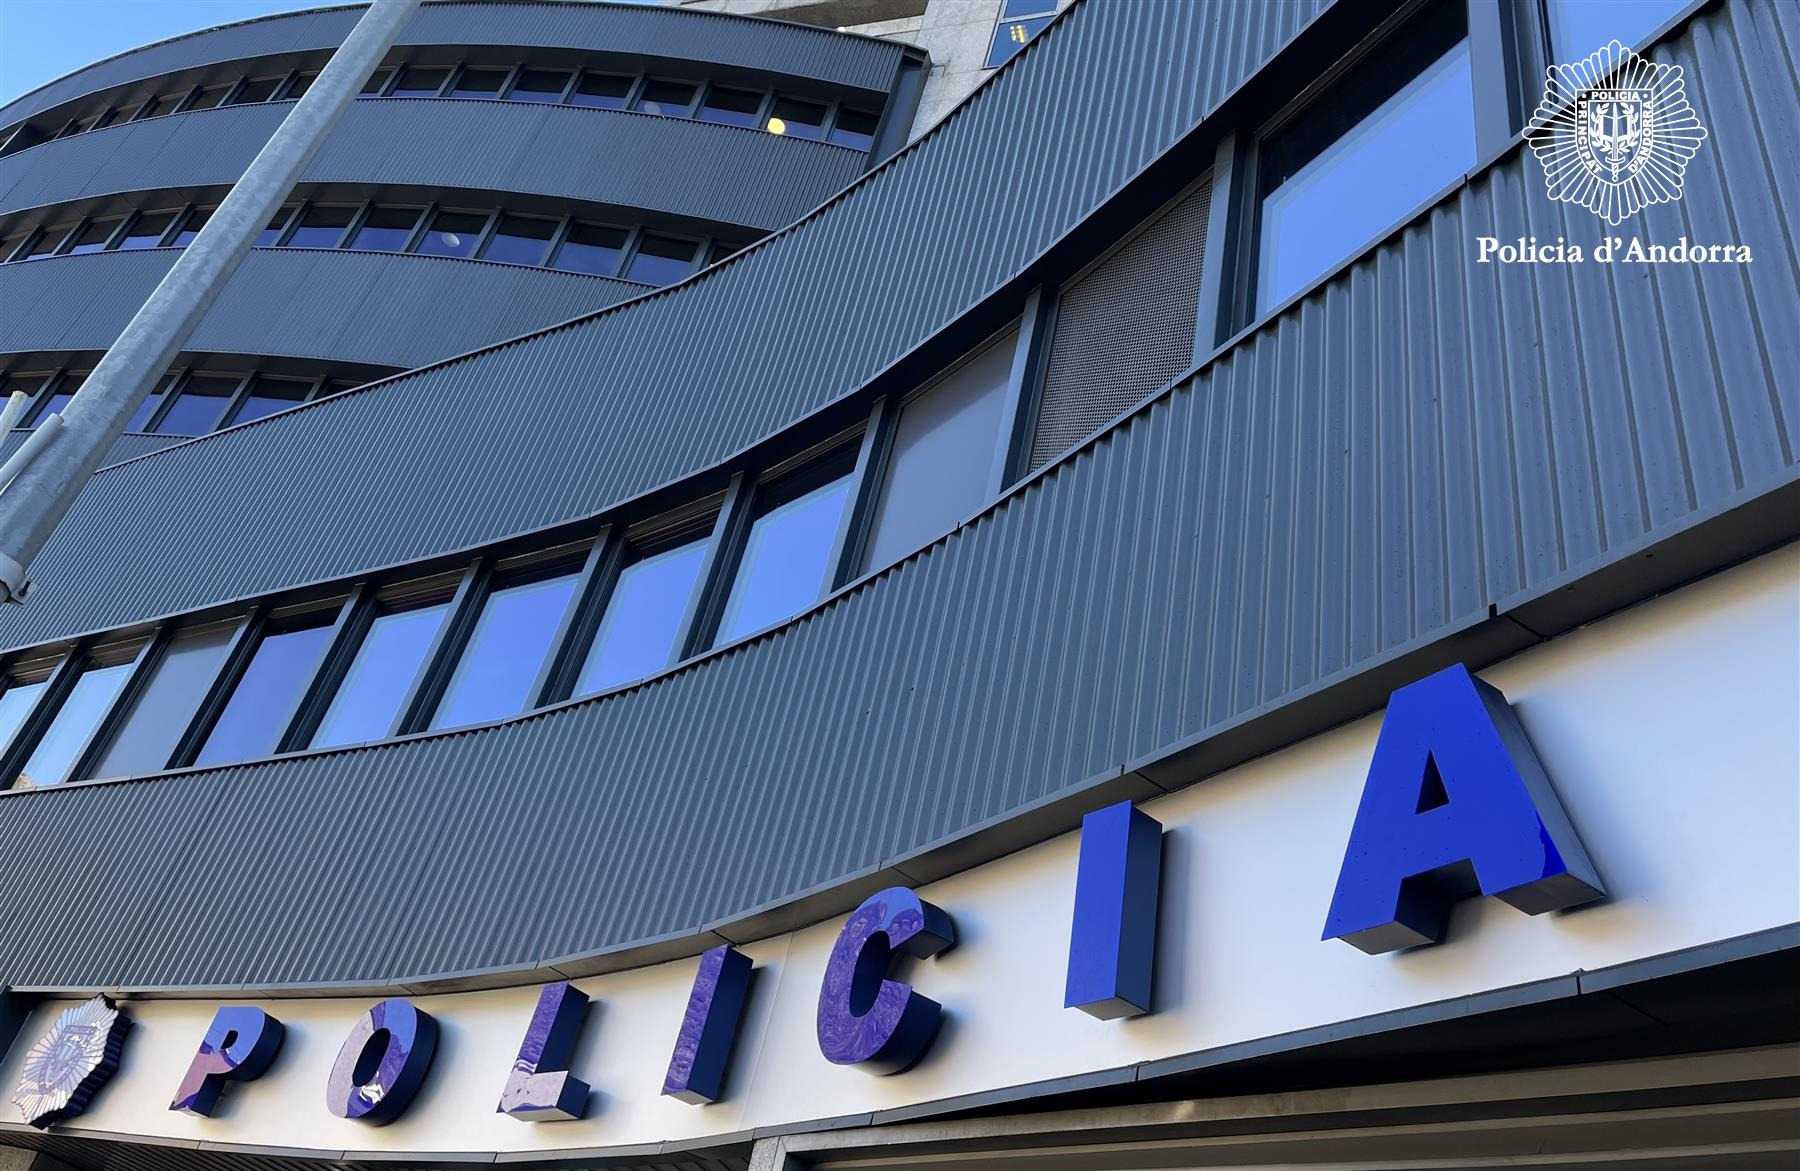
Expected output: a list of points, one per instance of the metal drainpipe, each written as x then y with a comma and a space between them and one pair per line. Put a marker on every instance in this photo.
35, 502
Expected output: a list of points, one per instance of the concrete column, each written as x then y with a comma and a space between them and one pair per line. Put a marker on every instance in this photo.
36, 501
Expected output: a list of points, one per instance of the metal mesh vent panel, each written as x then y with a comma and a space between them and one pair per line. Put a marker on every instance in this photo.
1124, 329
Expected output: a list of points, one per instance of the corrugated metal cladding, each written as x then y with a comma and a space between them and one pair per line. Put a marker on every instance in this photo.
1123, 329
1419, 439
383, 308
126, 447
671, 165
799, 51
766, 339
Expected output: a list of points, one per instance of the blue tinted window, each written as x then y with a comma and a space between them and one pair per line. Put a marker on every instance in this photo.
453, 233
264, 699
378, 681
267, 237
322, 226
16, 703
268, 395
166, 705
785, 560
386, 229
494, 676
592, 248
662, 260
519, 239
1410, 147
669, 98
197, 408
1578, 27
643, 617
75, 721
146, 230
1020, 20
191, 226
606, 91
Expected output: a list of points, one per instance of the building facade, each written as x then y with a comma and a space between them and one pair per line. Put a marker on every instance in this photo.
687, 610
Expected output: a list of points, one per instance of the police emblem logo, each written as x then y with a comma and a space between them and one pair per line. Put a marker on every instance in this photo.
70, 1062
1615, 132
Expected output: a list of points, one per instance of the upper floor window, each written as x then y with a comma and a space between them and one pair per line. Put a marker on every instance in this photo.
147, 229
21, 688
604, 91
190, 226
366, 704
322, 226
267, 693
453, 233
480, 83
785, 563
854, 128
417, 82
592, 248
63, 739
1391, 134
730, 107
93, 236
386, 229
156, 717
672, 99
541, 85
256, 89
506, 648
1019, 21
519, 239
661, 260
1578, 27
800, 119
637, 632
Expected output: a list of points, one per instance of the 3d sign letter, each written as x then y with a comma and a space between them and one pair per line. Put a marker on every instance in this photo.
703, 1047
382, 1063
66, 1066
238, 1046
1112, 938
865, 1018
539, 1088
1455, 801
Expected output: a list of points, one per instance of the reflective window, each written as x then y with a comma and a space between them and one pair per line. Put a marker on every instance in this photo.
798, 118
269, 235
507, 647
162, 710
146, 230
662, 260
21, 694
153, 105
643, 617
377, 80
592, 248
540, 85
196, 410
257, 89
386, 229
854, 128
209, 97
730, 107
606, 91
94, 236
785, 560
669, 98
47, 241
301, 83
190, 227
453, 233
1019, 21
78, 126
943, 455
520, 239
264, 699
153, 400
81, 712
419, 83
392, 653
1578, 27
479, 83
10, 245
65, 390
268, 395
322, 226
1326, 204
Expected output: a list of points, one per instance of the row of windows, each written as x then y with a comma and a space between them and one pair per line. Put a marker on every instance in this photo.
184, 402
567, 243
778, 113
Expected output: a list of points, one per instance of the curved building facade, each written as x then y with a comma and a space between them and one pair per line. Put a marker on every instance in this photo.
1197, 613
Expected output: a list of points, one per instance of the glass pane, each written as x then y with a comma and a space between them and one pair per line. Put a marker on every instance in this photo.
88, 701
800, 119
264, 699
259, 89
386, 229
1012, 9
479, 83
152, 106
540, 85
267, 237
1009, 37
197, 408
94, 236
1411, 146
494, 676
65, 390
268, 395
854, 128
943, 455
23, 382
46, 243
783, 567
301, 84
1578, 27
146, 230
191, 226
9, 245
602, 90
592, 248
163, 709
151, 401
387, 663
731, 107
376, 80
453, 233
209, 97
669, 98
662, 260
322, 226
643, 616
420, 83
520, 240
16, 703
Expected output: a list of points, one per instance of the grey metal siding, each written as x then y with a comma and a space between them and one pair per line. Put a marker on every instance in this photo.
674, 166
768, 46
889, 264
381, 308
1329, 492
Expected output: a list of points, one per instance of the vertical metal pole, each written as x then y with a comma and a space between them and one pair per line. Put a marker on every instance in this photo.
35, 502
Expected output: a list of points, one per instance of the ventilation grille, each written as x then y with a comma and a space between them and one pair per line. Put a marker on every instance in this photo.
1124, 328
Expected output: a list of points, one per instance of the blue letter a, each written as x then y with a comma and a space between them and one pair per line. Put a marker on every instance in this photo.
1455, 801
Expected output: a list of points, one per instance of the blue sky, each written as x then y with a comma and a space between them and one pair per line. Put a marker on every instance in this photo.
40, 40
